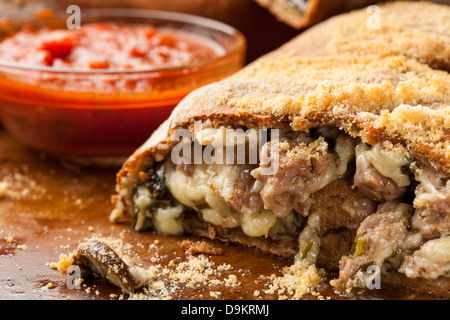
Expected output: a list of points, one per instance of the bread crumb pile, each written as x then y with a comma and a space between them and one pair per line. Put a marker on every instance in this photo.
17, 184
199, 274
195, 271
296, 281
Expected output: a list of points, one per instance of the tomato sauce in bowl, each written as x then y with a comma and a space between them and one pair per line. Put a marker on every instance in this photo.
97, 93
107, 46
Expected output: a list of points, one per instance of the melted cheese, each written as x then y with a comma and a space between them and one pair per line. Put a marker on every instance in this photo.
387, 162
167, 220
258, 224
431, 261
142, 200
201, 186
437, 250
345, 152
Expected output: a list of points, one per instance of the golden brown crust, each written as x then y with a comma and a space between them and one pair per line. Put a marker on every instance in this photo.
377, 98
418, 30
386, 89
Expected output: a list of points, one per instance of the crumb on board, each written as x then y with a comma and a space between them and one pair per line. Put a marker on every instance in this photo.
199, 272
50, 285
11, 241
296, 281
22, 247
17, 184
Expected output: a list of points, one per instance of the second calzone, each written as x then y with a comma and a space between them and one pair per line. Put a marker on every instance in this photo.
324, 150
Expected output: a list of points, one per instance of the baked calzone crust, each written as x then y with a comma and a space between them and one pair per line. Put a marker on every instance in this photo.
333, 149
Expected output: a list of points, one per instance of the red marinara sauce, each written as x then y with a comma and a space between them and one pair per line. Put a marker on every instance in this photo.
101, 90
106, 46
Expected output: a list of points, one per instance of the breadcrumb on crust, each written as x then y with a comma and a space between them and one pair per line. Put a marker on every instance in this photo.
382, 92
357, 94
380, 86
418, 30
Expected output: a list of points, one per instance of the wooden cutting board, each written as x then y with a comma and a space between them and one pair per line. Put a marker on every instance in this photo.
52, 205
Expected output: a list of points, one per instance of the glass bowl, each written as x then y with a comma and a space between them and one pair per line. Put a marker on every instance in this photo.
101, 116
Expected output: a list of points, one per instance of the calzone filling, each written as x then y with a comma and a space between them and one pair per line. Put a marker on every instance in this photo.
309, 187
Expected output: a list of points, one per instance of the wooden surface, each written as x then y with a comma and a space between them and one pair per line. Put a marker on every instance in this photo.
56, 205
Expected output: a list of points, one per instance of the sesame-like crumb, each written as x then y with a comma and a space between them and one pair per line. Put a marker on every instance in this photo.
50, 285
199, 272
194, 272
215, 294
296, 281
16, 184
22, 247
